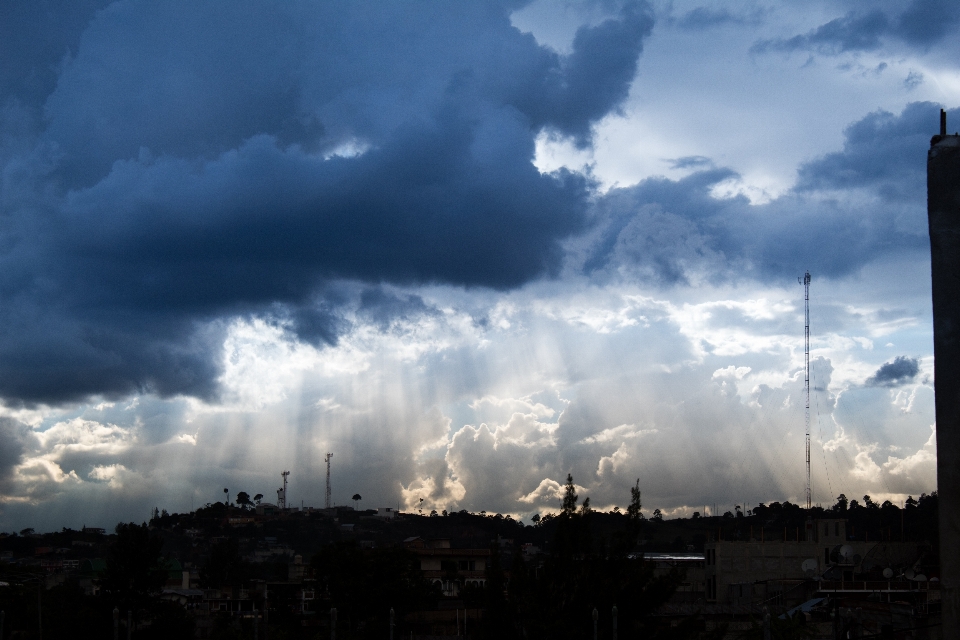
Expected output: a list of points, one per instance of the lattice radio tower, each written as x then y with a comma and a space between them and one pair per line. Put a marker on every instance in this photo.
283, 502
327, 502
806, 370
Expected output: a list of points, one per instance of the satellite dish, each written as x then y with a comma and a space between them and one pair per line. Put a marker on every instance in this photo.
909, 574
888, 573
809, 566
920, 577
846, 552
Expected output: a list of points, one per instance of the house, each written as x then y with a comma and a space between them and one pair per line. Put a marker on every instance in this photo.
451, 569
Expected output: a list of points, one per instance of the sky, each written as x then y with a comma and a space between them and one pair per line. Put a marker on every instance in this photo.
468, 248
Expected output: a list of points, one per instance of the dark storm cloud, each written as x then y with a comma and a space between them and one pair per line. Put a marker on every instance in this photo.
926, 22
35, 38
891, 374
670, 231
853, 32
882, 151
922, 24
197, 161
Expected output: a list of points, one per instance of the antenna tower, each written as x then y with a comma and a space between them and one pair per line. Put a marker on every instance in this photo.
806, 371
284, 474
327, 503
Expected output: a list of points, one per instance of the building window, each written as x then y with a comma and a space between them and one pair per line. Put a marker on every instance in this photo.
836, 528
826, 556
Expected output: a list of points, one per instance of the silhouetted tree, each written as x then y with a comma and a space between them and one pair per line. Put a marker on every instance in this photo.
569, 504
634, 515
840, 507
243, 499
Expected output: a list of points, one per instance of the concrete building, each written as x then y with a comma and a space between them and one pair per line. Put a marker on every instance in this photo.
943, 213
788, 571
690, 563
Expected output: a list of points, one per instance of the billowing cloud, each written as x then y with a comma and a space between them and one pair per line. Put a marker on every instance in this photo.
685, 231
903, 369
187, 169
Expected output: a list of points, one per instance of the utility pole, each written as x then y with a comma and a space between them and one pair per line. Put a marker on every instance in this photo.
327, 500
806, 372
943, 213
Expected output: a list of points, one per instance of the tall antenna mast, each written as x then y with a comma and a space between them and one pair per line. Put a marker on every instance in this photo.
284, 504
806, 370
327, 503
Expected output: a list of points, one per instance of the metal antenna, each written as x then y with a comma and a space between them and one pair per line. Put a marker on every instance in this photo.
284, 474
806, 371
327, 503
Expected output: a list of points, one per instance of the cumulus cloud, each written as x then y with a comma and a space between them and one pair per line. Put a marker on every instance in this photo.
902, 370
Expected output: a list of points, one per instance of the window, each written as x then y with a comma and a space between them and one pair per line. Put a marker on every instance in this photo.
826, 556
826, 529
836, 528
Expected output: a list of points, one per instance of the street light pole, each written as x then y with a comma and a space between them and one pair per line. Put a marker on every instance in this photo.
595, 616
